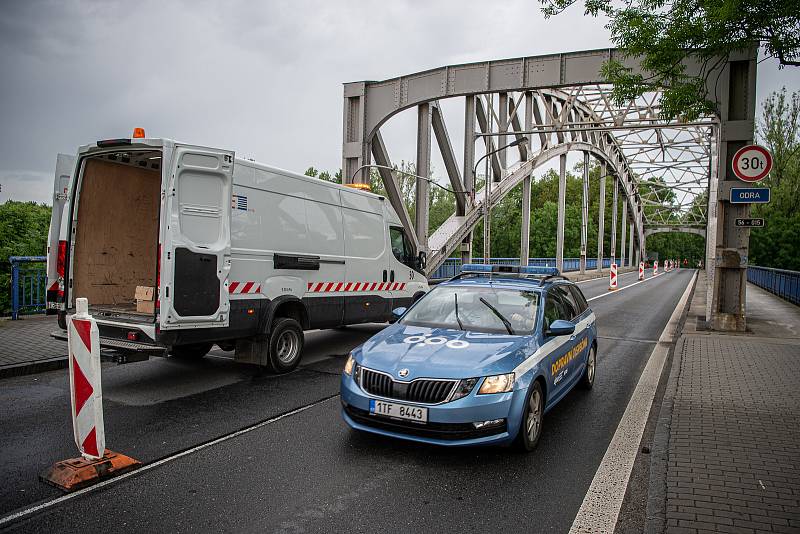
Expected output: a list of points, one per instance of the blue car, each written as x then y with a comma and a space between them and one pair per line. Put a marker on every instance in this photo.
478, 360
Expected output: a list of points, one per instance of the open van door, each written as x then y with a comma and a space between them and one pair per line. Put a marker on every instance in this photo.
196, 252
56, 251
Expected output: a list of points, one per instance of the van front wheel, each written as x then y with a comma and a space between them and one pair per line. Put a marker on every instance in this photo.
285, 345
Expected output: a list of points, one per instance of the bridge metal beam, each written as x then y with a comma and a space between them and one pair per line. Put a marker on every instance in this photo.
423, 171
448, 156
562, 208
584, 211
601, 214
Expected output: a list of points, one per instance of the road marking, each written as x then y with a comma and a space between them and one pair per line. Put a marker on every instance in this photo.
624, 287
606, 277
601, 505
58, 500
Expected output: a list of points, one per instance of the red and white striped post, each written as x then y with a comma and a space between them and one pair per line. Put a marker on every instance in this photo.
83, 340
96, 462
612, 284
641, 270
655, 267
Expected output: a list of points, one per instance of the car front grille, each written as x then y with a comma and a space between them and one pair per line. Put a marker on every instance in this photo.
423, 390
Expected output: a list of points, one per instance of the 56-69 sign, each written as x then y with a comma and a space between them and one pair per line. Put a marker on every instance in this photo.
752, 163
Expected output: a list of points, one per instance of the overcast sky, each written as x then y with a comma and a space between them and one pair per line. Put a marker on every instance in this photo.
261, 78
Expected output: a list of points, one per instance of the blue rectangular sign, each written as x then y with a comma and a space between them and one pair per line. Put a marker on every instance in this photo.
749, 195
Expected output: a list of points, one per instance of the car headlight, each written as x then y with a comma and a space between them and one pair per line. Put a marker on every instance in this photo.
497, 384
349, 364
463, 388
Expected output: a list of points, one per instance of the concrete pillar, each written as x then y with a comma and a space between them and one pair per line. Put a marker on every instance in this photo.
614, 211
525, 231
584, 210
727, 264
624, 225
423, 169
562, 207
601, 214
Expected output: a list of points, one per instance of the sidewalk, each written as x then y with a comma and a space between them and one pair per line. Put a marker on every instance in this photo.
731, 423
26, 346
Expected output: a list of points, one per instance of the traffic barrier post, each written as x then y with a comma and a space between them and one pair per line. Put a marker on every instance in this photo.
612, 285
641, 270
655, 267
96, 462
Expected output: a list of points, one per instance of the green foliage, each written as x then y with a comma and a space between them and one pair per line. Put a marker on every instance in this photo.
660, 32
23, 232
778, 243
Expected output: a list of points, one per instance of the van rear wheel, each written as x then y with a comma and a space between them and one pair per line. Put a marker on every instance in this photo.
195, 351
285, 345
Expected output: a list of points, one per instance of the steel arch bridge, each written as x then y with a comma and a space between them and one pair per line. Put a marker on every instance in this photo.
667, 171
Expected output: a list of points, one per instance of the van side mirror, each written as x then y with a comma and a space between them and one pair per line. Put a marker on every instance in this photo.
422, 260
560, 327
397, 313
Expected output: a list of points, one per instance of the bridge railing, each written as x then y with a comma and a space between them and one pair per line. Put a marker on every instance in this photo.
28, 284
452, 266
783, 283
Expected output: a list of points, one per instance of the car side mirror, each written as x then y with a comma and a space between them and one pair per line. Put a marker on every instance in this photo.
397, 313
560, 327
422, 260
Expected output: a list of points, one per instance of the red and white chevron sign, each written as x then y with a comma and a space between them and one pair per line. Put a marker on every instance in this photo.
641, 270
655, 267
612, 286
83, 340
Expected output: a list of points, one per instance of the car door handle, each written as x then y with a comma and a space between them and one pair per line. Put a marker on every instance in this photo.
391, 278
572, 337
384, 275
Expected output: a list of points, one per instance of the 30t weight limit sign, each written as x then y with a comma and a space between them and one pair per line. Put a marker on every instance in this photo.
752, 163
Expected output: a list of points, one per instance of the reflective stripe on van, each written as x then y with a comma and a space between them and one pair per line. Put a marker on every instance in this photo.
333, 287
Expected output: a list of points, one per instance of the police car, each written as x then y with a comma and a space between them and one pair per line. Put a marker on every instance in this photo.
478, 360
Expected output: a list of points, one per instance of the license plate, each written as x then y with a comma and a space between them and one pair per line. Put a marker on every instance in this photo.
399, 411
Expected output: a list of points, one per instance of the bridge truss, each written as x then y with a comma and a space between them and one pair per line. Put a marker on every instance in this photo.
664, 173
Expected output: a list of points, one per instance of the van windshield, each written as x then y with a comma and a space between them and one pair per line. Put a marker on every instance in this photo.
438, 308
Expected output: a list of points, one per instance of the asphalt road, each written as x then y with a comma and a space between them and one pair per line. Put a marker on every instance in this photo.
307, 472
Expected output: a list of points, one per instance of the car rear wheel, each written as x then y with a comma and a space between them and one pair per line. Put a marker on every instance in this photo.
285, 345
587, 380
530, 429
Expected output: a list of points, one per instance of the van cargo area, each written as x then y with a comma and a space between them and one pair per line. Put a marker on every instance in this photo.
116, 232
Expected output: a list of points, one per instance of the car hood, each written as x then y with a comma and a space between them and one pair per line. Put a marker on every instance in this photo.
443, 353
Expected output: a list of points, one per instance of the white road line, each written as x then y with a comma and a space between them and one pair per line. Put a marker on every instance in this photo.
58, 500
624, 287
601, 505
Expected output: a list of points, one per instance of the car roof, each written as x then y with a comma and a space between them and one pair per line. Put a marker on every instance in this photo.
507, 282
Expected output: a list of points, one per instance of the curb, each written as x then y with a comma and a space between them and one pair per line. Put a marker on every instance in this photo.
655, 520
31, 368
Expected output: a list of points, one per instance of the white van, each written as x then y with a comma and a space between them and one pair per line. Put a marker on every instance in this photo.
239, 254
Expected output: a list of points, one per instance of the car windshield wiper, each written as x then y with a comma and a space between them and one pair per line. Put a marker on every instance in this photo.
499, 316
460, 325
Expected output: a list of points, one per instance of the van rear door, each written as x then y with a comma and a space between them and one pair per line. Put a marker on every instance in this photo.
196, 251
56, 251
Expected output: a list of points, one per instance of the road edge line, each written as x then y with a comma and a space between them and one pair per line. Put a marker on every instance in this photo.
601, 505
601, 295
14, 516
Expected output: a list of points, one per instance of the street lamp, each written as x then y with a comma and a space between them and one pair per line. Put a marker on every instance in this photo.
393, 169
487, 189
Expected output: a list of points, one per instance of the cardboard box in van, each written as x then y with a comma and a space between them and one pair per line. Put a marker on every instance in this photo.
144, 299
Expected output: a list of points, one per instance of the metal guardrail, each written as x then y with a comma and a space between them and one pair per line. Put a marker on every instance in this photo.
783, 283
28, 284
452, 266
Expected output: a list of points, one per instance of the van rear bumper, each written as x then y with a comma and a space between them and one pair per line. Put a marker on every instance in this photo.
120, 344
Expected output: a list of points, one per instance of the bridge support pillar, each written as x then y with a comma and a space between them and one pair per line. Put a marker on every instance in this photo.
614, 212
562, 206
525, 231
584, 210
630, 246
624, 226
728, 245
424, 170
601, 217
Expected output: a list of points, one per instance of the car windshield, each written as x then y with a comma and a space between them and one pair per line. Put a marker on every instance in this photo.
438, 308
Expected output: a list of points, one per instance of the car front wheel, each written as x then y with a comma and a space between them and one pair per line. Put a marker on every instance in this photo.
587, 380
532, 418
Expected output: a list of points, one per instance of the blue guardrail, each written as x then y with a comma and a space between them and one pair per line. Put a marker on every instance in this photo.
28, 285
452, 266
785, 284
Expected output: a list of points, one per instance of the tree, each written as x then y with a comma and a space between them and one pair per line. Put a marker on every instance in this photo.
661, 32
23, 232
